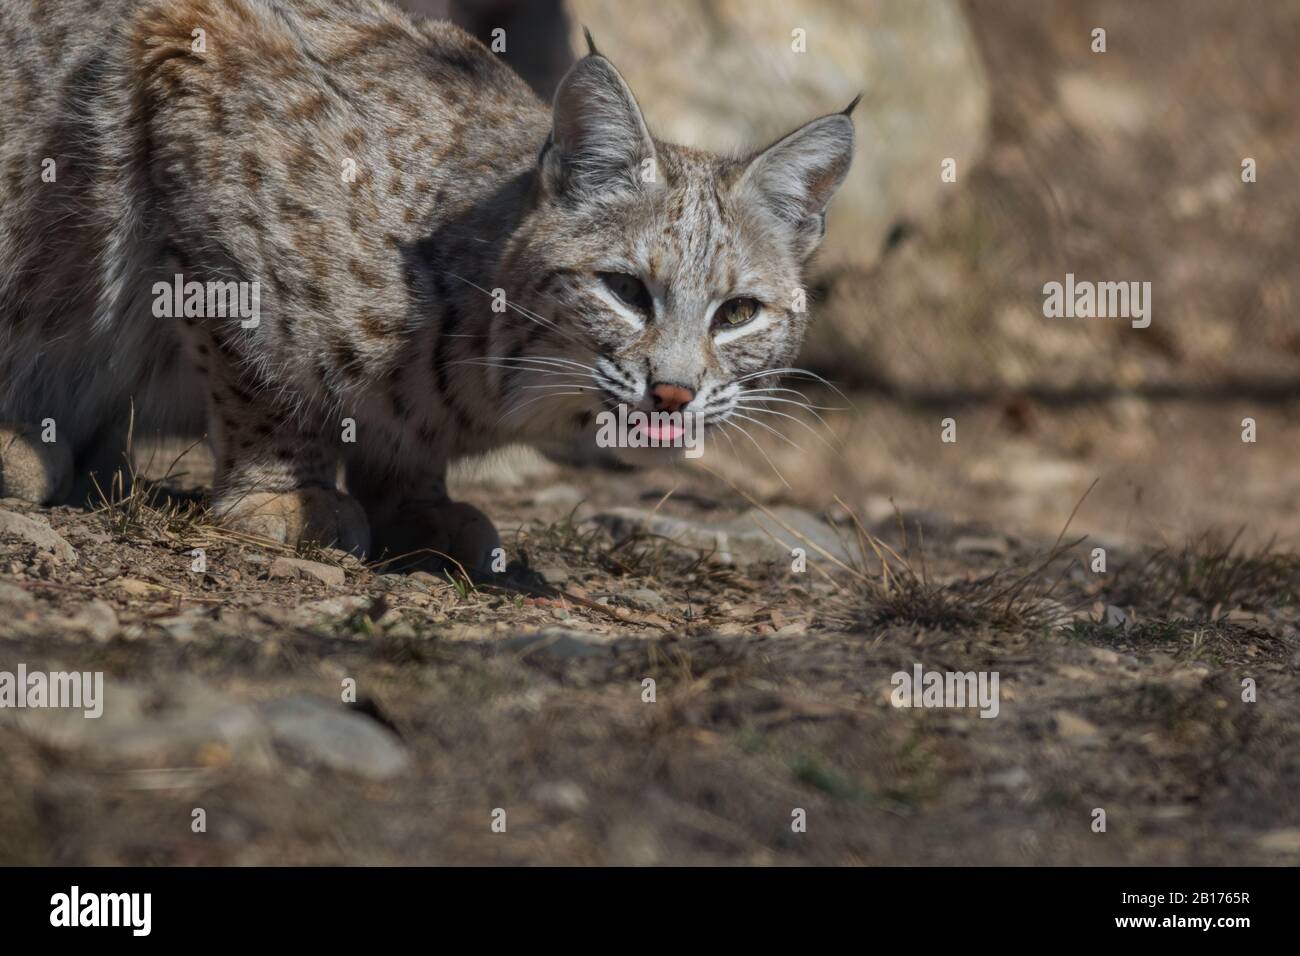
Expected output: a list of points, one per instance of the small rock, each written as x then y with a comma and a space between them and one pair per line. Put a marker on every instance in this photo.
559, 495
1074, 673
1194, 675
133, 587
154, 727
339, 739
38, 532
425, 580
760, 535
644, 598
1074, 728
1281, 841
561, 795
1101, 105
14, 595
1013, 778
754, 537
97, 619
302, 570
558, 644
335, 607
554, 574
185, 626
401, 630
991, 545
90, 536
1040, 476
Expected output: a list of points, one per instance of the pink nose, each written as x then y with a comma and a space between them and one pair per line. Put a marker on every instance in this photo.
671, 398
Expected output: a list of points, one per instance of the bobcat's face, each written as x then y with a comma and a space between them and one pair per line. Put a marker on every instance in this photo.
660, 278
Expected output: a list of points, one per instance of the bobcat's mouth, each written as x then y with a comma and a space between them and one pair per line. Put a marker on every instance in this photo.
662, 432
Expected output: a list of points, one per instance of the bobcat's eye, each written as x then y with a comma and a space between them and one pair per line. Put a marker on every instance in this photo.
629, 289
735, 312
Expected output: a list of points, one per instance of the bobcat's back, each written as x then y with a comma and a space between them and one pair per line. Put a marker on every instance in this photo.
308, 145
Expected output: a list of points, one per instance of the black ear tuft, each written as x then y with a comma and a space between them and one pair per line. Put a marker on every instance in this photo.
848, 110
591, 43
796, 176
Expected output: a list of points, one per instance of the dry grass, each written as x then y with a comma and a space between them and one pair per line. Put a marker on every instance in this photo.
886, 586
891, 587
1209, 575
140, 509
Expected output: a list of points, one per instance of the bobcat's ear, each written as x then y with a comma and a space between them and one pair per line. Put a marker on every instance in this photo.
599, 141
796, 176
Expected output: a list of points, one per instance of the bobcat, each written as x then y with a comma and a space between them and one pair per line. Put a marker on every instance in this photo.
423, 252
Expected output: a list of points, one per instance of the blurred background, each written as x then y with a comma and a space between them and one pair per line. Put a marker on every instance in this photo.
1122, 165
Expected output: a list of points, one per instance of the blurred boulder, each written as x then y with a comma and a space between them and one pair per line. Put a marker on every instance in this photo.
728, 76
734, 75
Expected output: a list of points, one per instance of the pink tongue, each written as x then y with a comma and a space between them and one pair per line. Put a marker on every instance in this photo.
662, 433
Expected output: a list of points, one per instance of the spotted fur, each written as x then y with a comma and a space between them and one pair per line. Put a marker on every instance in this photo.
379, 298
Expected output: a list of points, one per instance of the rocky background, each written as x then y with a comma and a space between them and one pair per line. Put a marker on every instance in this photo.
1123, 165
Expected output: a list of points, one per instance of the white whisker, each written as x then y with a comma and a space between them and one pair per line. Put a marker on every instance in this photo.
798, 421
538, 398
783, 438
531, 316
743, 431
794, 371
794, 391
585, 388
748, 401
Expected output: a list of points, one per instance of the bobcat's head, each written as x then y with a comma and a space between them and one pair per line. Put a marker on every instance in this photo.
657, 276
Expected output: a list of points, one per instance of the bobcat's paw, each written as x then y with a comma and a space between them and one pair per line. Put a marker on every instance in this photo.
33, 470
303, 516
427, 535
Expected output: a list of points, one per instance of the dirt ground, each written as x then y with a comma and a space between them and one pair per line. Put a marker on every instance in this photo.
771, 694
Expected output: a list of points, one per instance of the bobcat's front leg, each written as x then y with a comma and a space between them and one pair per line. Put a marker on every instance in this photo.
275, 478
416, 525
